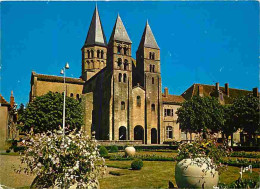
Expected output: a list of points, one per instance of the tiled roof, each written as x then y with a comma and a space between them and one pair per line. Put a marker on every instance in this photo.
119, 32
208, 90
148, 39
174, 99
53, 78
3, 101
96, 34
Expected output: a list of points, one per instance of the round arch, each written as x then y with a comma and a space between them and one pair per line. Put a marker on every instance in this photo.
139, 133
122, 133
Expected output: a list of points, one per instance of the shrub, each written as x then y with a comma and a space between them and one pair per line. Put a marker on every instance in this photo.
114, 149
137, 164
62, 161
240, 183
115, 173
8, 151
103, 151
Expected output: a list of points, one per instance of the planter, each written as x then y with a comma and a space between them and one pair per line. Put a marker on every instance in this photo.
195, 174
130, 151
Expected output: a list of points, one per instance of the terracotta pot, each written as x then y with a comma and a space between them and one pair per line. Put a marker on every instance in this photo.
189, 174
130, 151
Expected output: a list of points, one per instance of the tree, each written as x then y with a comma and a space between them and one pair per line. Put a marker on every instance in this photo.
44, 113
201, 115
246, 114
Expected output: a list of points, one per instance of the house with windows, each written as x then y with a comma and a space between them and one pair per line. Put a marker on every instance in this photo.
122, 96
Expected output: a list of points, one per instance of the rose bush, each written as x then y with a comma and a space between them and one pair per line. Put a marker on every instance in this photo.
62, 162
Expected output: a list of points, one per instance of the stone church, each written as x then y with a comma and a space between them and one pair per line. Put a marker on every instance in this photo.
122, 96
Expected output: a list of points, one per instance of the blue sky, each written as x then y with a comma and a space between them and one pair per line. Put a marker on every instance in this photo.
200, 42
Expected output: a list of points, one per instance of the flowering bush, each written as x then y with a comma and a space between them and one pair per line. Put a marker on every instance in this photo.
204, 151
63, 162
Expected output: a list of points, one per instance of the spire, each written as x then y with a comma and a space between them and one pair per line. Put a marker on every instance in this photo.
119, 32
148, 39
96, 34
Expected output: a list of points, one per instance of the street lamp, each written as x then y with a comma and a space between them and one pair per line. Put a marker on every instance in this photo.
63, 70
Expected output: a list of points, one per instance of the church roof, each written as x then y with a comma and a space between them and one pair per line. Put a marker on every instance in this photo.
119, 32
60, 79
96, 35
148, 39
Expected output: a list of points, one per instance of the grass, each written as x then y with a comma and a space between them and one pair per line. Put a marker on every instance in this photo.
154, 174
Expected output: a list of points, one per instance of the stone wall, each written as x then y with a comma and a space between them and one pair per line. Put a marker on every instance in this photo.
3, 126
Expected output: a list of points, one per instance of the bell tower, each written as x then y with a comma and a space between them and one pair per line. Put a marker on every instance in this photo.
149, 72
94, 50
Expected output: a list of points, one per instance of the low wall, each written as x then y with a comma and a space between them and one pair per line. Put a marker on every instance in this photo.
120, 142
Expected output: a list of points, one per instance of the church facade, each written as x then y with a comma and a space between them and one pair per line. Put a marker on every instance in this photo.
122, 96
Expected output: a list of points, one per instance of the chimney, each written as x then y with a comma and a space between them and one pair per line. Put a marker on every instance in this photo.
217, 86
12, 99
227, 89
255, 92
200, 90
166, 92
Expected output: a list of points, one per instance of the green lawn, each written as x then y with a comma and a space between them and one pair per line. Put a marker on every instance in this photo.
154, 174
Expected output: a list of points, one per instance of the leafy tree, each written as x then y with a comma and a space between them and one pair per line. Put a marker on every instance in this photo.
45, 113
201, 115
246, 114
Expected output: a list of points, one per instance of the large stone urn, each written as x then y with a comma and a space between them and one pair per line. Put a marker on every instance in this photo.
130, 151
195, 173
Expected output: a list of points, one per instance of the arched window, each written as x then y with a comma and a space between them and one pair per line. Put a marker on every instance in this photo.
92, 53
119, 62
102, 54
153, 56
122, 105
120, 77
153, 107
88, 53
71, 94
169, 132
98, 53
119, 49
138, 100
125, 50
152, 80
124, 79
151, 68
122, 133
150, 55
78, 97
125, 65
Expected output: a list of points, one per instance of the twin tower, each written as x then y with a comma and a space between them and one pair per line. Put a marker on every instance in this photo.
123, 94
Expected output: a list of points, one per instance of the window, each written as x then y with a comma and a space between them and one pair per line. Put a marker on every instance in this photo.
102, 54
92, 53
124, 79
78, 97
125, 64
122, 105
152, 80
119, 49
168, 112
138, 100
71, 94
151, 67
119, 62
169, 132
153, 107
88, 53
119, 77
152, 55
125, 51
98, 53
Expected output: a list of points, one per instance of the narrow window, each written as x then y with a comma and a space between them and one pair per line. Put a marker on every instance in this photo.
169, 132
150, 55
102, 54
153, 56
88, 53
122, 105
92, 53
125, 51
172, 112
119, 77
125, 78
138, 100
71, 94
165, 112
119, 62
153, 107
77, 96
98, 53
152, 80
125, 64
151, 68
119, 49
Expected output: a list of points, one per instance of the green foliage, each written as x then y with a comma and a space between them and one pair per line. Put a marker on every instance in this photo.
44, 113
245, 155
103, 151
246, 113
115, 173
240, 183
114, 149
201, 114
230, 125
8, 151
137, 164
